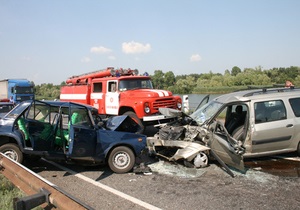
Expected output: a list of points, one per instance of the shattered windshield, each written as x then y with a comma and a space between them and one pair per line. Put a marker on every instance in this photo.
206, 112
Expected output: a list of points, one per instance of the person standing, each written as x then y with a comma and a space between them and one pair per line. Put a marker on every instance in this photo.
288, 84
11, 100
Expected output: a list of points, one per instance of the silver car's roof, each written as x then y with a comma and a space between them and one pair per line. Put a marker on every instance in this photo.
247, 95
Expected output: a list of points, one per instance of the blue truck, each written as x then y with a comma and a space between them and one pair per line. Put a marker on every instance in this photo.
16, 89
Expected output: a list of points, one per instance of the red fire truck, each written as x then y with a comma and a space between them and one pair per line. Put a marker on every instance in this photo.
120, 91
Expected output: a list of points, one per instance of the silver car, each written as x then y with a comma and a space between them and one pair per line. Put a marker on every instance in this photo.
249, 123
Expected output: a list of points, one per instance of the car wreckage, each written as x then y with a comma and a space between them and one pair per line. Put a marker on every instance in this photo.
72, 133
231, 127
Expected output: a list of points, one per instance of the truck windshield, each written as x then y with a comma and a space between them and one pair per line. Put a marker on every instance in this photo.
206, 112
135, 84
23, 90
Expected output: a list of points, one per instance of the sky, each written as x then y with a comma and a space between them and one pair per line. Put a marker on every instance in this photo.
50, 41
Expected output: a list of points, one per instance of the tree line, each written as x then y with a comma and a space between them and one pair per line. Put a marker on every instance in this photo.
231, 80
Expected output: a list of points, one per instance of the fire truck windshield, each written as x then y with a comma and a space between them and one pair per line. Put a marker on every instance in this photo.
135, 84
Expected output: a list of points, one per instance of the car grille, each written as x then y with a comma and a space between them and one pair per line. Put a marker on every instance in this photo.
25, 98
166, 103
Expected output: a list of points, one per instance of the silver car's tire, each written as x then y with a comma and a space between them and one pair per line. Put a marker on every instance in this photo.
201, 160
298, 149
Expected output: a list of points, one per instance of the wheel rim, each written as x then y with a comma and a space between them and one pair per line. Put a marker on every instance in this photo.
121, 160
11, 154
201, 160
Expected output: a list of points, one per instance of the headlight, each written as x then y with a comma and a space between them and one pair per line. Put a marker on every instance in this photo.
179, 105
146, 108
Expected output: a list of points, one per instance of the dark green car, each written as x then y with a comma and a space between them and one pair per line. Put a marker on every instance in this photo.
71, 132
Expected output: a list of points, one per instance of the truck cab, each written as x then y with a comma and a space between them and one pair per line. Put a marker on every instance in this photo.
16, 90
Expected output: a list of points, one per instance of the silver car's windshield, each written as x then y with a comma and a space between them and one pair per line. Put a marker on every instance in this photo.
206, 112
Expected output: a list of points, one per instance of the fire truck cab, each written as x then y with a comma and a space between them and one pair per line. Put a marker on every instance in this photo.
121, 91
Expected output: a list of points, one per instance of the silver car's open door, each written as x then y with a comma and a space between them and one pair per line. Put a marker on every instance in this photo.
225, 147
203, 102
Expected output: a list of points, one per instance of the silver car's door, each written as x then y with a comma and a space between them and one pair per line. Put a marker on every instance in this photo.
203, 102
225, 147
273, 130
227, 143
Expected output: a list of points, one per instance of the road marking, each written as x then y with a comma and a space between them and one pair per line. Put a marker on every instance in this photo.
105, 187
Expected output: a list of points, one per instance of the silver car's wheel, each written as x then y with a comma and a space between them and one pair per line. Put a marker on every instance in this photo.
201, 160
298, 149
121, 159
12, 151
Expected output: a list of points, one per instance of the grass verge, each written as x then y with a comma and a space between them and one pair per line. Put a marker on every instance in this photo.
7, 193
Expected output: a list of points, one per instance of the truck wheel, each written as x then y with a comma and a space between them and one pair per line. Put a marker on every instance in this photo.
12, 151
121, 160
137, 120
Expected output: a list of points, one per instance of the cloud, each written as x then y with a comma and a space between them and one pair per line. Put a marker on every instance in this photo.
85, 60
195, 58
100, 49
111, 57
135, 47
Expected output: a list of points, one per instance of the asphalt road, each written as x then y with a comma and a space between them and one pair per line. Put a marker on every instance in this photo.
173, 187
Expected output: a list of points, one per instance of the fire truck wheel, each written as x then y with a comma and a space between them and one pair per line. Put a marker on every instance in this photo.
137, 120
121, 159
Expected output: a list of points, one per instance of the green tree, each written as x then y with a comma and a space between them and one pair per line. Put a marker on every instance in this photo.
262, 79
227, 72
169, 80
206, 76
185, 86
216, 81
203, 82
47, 91
235, 71
158, 79
228, 80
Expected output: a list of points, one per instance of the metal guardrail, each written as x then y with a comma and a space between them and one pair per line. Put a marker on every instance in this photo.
41, 192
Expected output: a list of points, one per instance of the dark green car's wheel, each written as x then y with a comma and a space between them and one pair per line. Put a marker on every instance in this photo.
121, 159
12, 151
